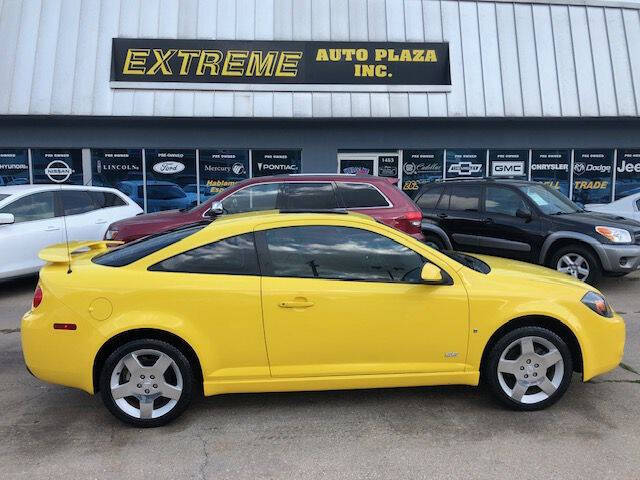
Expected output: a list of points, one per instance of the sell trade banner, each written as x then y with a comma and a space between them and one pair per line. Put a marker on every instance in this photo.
592, 176
282, 65
552, 167
221, 169
14, 166
420, 167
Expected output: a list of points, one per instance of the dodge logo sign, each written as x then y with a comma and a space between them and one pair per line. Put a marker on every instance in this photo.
167, 168
579, 168
58, 171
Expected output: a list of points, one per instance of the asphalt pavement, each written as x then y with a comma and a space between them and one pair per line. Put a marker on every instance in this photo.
47, 431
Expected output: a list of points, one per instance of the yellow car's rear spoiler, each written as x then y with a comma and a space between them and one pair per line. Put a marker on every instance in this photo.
60, 252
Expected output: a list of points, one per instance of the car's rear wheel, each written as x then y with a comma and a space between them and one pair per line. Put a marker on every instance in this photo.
529, 368
577, 261
146, 383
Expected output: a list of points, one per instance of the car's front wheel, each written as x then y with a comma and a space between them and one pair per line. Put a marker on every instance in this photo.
577, 261
146, 383
529, 368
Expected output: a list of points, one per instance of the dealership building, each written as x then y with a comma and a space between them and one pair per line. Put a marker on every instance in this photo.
182, 98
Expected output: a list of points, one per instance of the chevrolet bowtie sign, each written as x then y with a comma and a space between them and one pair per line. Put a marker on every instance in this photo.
279, 65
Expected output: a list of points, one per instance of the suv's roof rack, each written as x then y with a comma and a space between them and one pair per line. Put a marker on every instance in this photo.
340, 211
466, 179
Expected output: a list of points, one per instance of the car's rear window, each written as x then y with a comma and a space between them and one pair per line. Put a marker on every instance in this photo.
134, 251
361, 195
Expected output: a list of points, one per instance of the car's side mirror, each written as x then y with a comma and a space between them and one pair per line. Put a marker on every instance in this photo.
524, 214
7, 218
433, 275
215, 210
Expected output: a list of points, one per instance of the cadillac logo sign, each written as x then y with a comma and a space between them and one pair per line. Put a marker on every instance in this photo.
58, 171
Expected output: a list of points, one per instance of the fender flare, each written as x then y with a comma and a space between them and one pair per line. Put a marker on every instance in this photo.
580, 237
432, 228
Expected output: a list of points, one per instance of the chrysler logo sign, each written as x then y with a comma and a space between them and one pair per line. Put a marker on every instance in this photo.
169, 167
58, 171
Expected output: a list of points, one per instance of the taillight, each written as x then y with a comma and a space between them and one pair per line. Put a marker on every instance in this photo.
414, 218
37, 297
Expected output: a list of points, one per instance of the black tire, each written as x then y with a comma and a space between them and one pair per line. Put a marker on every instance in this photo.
491, 376
179, 360
595, 269
434, 241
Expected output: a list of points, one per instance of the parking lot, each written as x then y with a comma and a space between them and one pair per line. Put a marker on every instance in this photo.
48, 431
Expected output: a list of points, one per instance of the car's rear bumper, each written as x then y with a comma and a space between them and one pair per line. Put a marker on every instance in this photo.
621, 258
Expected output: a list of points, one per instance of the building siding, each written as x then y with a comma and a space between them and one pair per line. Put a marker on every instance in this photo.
507, 59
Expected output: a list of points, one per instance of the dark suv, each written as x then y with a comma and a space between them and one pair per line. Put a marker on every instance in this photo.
531, 222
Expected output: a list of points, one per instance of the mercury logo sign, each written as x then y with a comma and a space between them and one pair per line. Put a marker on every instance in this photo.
465, 168
238, 169
167, 168
58, 171
277, 167
504, 168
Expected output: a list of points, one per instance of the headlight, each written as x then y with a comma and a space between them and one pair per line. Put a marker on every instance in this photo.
615, 235
111, 234
598, 304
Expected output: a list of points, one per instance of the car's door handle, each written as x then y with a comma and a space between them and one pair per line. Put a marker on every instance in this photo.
487, 220
100, 221
442, 215
296, 304
51, 229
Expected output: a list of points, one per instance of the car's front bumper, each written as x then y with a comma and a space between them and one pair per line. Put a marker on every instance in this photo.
606, 345
620, 258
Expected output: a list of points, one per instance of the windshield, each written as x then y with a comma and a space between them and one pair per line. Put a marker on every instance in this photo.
468, 261
550, 201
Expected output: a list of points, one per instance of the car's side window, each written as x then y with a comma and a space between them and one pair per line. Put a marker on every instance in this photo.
361, 195
106, 199
443, 203
308, 195
429, 199
638, 205
231, 256
75, 202
262, 196
339, 253
465, 198
37, 206
503, 201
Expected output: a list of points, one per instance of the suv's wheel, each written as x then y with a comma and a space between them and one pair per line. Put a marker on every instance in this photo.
577, 261
529, 368
146, 383
434, 241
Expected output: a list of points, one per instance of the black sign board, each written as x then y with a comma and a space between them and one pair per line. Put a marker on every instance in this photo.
592, 176
465, 163
419, 167
279, 62
14, 166
628, 172
357, 166
171, 179
552, 167
220, 169
57, 165
118, 168
275, 162
388, 166
509, 163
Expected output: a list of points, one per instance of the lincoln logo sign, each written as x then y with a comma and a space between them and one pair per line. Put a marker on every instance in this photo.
279, 65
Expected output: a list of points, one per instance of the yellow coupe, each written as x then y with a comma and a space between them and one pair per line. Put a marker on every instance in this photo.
275, 301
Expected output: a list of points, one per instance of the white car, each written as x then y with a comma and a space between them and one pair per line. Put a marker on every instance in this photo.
35, 216
628, 207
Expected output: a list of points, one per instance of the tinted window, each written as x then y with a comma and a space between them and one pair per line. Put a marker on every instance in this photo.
429, 199
37, 206
75, 202
503, 201
361, 195
254, 197
638, 204
309, 196
443, 203
465, 198
106, 199
134, 251
340, 253
163, 192
231, 256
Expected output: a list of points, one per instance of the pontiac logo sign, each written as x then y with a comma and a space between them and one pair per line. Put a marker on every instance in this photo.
167, 168
58, 171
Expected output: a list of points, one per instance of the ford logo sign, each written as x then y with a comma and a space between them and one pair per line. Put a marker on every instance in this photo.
167, 168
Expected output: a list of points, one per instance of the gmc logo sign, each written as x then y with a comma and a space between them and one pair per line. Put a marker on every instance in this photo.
503, 168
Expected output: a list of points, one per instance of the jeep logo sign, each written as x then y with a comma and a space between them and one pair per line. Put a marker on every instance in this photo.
168, 168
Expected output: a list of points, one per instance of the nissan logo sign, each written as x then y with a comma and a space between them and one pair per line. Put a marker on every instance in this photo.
167, 168
58, 171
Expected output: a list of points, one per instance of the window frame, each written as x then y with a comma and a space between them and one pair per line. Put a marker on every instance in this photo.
266, 265
61, 193
425, 190
462, 186
57, 203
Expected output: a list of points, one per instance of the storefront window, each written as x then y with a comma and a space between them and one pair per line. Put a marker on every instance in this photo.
57, 165
465, 163
509, 163
14, 166
275, 162
592, 176
628, 172
171, 179
551, 167
420, 167
119, 168
221, 169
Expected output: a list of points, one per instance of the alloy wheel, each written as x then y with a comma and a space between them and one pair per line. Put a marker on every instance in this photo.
146, 384
530, 369
574, 265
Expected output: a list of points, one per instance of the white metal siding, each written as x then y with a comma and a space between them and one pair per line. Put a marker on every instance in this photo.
508, 59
